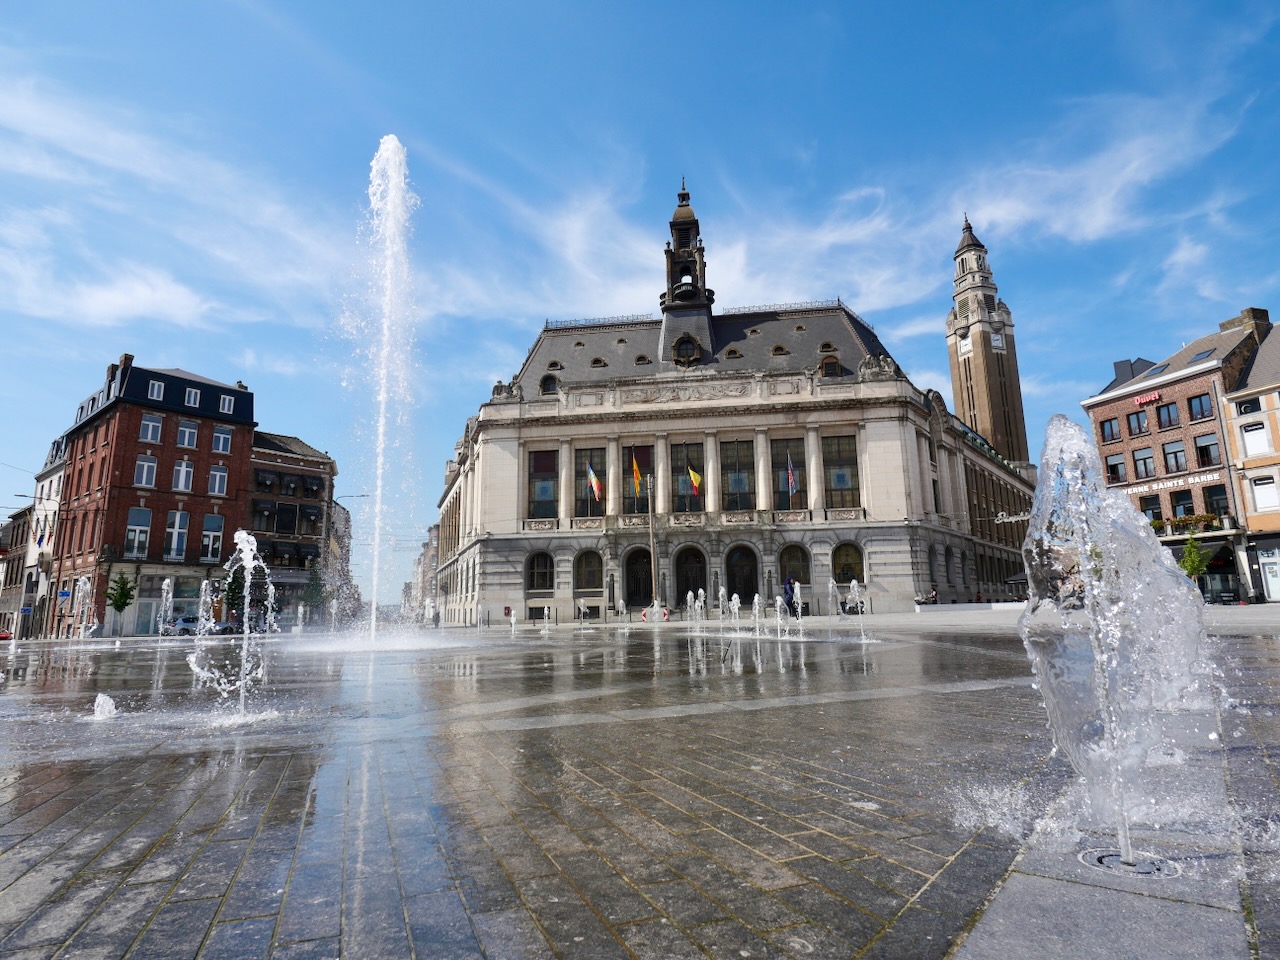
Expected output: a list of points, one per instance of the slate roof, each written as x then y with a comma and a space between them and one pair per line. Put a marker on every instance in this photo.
280, 443
1263, 370
1218, 345
784, 339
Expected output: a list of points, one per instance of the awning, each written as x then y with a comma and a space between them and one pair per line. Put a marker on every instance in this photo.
308, 551
310, 511
286, 550
290, 482
264, 549
265, 507
266, 478
313, 483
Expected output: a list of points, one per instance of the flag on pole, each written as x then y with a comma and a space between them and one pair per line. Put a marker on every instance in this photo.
696, 479
635, 474
791, 477
594, 481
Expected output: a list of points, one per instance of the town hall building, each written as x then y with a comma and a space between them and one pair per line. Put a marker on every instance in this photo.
633, 459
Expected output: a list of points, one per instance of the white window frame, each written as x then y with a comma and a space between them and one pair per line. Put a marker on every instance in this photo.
184, 472
144, 471
193, 397
227, 403
211, 540
145, 432
175, 535
218, 481
136, 538
155, 390
1256, 447
1272, 498
219, 434
188, 434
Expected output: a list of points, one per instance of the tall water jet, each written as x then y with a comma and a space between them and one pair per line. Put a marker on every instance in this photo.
390, 205
1113, 626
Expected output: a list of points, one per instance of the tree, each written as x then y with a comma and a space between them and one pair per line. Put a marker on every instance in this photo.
1195, 558
233, 596
313, 594
119, 595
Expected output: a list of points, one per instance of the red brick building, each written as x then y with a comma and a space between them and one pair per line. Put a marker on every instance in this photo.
157, 476
1159, 430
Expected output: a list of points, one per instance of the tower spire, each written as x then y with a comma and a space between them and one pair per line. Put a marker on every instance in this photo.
987, 390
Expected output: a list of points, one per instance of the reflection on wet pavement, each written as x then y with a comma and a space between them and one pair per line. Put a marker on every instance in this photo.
642, 793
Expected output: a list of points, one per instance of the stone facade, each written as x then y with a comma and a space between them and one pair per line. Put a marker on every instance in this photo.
719, 451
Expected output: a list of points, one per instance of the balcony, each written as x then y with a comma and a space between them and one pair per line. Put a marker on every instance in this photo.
1195, 523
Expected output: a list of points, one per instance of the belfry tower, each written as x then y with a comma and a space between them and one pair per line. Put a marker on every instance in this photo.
987, 391
686, 303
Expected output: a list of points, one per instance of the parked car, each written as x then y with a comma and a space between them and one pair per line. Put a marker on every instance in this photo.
226, 626
182, 626
5, 636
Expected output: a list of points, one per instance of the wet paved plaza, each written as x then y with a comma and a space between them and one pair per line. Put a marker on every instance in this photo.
646, 792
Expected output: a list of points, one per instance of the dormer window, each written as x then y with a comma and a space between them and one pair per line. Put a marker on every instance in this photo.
800, 328
555, 365
641, 360
686, 350
598, 362
827, 347
779, 350
733, 353
830, 367
549, 384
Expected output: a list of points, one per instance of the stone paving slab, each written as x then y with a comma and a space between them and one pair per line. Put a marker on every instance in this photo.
632, 793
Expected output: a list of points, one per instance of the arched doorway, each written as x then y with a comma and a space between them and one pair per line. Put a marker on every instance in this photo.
691, 573
846, 564
639, 579
793, 562
741, 575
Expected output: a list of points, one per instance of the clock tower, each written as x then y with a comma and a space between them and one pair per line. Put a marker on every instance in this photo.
987, 391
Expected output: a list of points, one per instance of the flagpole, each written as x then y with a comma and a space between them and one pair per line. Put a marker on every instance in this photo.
653, 552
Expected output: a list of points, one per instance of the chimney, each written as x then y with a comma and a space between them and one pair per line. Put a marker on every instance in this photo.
1255, 320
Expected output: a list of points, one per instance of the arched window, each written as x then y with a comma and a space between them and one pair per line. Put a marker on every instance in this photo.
793, 562
779, 350
540, 573
641, 360
846, 564
733, 353
686, 350
549, 384
830, 367
598, 362
588, 571
933, 564
951, 565
555, 365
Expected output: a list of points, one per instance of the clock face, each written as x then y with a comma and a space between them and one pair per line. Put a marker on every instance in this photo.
966, 345
997, 341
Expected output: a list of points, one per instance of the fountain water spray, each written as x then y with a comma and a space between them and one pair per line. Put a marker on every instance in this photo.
165, 613
1113, 626
390, 205
225, 679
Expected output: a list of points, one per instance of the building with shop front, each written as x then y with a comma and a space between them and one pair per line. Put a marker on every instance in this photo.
1162, 436
289, 518
633, 459
1252, 432
155, 467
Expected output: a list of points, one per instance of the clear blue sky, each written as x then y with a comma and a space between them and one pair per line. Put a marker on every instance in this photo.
186, 181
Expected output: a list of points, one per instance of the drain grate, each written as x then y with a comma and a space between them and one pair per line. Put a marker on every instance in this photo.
1145, 865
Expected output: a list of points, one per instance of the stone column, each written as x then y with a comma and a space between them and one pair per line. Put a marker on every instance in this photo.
814, 476
711, 471
764, 469
614, 478
661, 476
565, 511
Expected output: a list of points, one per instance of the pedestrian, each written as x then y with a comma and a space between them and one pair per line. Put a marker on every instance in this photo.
979, 596
788, 595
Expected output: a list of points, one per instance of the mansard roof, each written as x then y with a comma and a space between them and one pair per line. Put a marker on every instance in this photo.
786, 338
1210, 350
